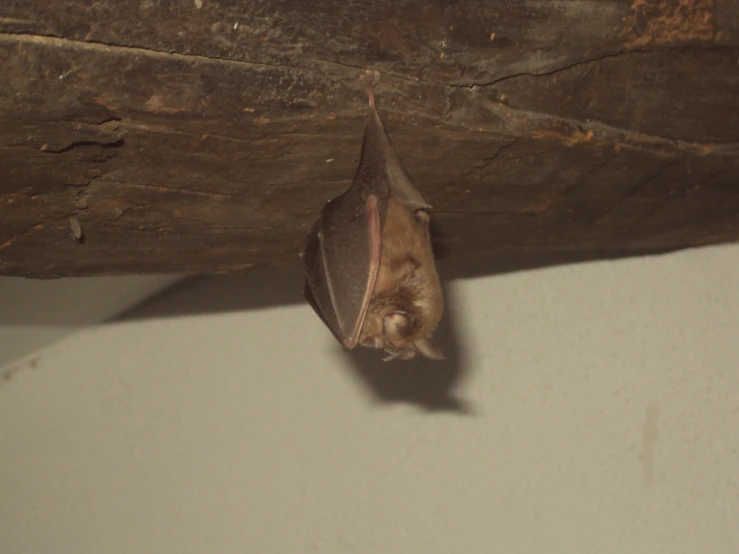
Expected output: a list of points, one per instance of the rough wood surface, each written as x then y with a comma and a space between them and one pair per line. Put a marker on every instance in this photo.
204, 136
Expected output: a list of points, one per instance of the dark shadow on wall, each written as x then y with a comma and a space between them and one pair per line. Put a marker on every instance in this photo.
430, 385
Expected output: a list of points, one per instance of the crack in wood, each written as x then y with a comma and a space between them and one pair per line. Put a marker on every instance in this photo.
474, 85
486, 161
76, 144
592, 60
111, 48
585, 131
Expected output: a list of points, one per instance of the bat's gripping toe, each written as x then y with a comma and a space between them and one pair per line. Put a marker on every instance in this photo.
372, 77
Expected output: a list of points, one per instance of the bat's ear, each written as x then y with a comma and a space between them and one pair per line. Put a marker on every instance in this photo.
429, 349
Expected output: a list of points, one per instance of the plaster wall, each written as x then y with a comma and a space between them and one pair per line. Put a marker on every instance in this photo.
590, 408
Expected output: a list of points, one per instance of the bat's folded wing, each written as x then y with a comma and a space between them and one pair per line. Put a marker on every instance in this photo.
342, 257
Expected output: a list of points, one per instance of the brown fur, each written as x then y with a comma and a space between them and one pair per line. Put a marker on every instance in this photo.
407, 302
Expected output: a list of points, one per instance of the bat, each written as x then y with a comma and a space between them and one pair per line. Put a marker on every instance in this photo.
370, 273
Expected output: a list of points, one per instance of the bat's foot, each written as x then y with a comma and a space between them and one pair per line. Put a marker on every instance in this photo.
393, 354
372, 77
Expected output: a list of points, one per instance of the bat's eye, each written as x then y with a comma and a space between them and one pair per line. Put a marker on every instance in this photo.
422, 216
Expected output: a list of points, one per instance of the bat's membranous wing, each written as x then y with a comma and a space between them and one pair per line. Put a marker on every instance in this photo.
342, 256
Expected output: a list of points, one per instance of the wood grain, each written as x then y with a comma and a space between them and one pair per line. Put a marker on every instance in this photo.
205, 136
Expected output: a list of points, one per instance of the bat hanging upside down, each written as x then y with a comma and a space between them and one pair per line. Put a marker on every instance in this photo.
369, 267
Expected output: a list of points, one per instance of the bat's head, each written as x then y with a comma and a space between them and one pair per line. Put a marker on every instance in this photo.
401, 323
401, 335
400, 329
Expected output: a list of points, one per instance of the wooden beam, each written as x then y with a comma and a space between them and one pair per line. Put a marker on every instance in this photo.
205, 136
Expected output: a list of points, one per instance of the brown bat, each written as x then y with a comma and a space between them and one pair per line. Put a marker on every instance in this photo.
369, 267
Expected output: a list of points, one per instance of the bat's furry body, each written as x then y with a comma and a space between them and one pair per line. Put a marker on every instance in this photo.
406, 304
370, 271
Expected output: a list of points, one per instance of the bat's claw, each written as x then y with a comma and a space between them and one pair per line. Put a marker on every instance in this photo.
391, 356
372, 77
